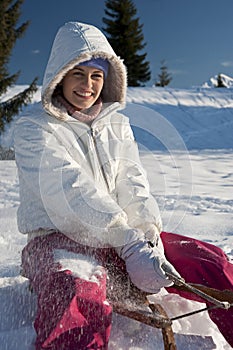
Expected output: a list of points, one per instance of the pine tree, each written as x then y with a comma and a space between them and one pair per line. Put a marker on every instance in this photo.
9, 33
125, 35
164, 77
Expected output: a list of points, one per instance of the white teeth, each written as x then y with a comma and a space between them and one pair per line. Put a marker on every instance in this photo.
85, 94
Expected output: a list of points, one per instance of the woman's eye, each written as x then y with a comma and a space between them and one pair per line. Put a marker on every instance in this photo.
97, 76
77, 74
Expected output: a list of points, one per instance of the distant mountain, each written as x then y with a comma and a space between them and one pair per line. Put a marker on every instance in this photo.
227, 81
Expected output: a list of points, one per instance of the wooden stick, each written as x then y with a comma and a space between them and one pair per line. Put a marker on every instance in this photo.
150, 314
141, 313
127, 300
225, 295
167, 332
179, 282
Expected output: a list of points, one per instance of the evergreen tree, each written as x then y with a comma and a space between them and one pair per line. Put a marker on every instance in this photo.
164, 77
125, 35
9, 33
220, 83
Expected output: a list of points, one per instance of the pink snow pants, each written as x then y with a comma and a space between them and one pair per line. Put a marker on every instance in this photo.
202, 263
73, 313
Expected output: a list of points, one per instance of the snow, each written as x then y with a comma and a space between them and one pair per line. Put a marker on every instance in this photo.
186, 144
81, 266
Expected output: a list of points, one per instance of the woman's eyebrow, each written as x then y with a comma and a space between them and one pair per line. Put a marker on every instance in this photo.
83, 70
78, 68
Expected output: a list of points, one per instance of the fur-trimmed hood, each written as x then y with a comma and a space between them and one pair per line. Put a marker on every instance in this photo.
75, 43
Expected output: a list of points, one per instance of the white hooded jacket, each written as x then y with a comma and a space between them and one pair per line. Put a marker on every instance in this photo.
84, 181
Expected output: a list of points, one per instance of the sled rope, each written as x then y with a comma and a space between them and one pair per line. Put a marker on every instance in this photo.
207, 308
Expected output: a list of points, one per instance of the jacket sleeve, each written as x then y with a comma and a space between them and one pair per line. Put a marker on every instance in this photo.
133, 190
75, 206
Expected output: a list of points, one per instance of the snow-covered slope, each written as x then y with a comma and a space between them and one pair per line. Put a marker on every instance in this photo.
186, 142
202, 118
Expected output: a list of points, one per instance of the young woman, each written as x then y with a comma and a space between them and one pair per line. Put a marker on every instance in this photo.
85, 201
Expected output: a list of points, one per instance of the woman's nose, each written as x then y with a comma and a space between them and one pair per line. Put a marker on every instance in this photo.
87, 81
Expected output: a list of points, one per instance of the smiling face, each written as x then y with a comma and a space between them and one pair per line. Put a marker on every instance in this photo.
82, 86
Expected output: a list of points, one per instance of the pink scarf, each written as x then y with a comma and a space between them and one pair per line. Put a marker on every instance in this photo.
87, 115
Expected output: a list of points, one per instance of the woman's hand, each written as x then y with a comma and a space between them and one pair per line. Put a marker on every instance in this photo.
146, 266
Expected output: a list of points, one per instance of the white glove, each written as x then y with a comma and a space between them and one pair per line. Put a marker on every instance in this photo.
146, 266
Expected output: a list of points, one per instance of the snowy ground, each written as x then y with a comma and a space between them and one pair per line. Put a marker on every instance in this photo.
192, 179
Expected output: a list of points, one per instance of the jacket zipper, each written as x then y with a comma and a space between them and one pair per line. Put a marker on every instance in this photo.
100, 167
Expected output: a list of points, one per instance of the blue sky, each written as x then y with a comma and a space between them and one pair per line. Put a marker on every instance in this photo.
195, 37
